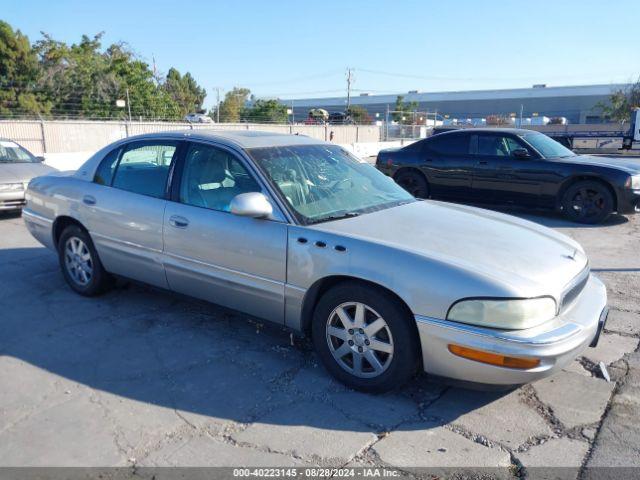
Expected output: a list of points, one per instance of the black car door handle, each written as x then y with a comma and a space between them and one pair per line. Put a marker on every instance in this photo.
483, 162
88, 200
178, 221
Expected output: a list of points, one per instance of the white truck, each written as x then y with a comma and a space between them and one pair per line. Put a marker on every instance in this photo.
633, 137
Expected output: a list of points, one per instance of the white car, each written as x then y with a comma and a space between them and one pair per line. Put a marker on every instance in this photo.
198, 118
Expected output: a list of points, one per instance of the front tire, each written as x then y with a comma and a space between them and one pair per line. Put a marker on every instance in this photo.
80, 263
365, 338
413, 182
587, 202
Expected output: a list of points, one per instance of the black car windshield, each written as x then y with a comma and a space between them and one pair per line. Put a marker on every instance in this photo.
546, 146
325, 182
11, 152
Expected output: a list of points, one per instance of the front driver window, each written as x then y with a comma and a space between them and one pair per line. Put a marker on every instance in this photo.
212, 177
497, 146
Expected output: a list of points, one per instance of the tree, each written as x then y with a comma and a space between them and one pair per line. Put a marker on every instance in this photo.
184, 91
81, 80
19, 94
266, 111
621, 102
403, 111
232, 106
359, 114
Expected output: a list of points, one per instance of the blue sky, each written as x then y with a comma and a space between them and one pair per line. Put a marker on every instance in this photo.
302, 48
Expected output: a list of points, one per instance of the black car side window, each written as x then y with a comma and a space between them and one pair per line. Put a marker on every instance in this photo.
497, 145
449, 144
473, 144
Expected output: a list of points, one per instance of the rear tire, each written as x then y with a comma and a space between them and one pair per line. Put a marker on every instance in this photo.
80, 263
365, 337
587, 202
413, 182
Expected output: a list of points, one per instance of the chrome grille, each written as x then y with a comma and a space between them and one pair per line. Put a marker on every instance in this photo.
574, 288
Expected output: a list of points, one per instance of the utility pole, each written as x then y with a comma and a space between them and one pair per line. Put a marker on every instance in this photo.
386, 125
128, 104
521, 108
349, 81
217, 89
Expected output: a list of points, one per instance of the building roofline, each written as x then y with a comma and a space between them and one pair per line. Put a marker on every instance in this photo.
458, 95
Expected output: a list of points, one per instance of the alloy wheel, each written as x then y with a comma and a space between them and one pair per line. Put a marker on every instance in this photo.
359, 339
587, 203
410, 185
78, 261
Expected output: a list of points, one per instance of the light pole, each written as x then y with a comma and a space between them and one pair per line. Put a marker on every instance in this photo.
128, 104
217, 89
349, 81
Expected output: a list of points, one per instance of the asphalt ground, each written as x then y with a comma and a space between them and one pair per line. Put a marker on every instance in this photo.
140, 377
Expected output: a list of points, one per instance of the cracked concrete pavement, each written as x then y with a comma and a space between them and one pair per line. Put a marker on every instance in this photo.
146, 378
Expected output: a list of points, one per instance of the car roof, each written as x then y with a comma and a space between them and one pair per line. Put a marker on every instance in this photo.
513, 131
245, 139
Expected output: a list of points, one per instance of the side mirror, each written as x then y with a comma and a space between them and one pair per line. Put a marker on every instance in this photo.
252, 204
40, 159
521, 153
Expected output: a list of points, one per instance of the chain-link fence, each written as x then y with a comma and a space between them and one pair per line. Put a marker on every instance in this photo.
407, 125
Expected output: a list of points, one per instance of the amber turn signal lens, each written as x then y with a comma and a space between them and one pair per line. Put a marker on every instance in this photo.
494, 358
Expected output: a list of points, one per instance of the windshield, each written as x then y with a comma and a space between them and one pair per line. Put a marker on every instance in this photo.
324, 182
11, 152
547, 146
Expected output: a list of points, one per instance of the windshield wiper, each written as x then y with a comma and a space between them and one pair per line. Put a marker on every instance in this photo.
334, 217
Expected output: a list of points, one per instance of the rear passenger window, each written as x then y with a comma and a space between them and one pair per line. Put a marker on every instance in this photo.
106, 169
144, 168
447, 144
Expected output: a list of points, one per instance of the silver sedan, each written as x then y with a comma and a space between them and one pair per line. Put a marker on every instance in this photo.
300, 233
17, 167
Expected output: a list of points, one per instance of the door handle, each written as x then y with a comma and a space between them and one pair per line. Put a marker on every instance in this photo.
88, 200
178, 221
483, 162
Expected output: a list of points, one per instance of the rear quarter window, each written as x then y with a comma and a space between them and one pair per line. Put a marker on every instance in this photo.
107, 167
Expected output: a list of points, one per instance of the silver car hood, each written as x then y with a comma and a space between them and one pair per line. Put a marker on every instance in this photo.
506, 249
22, 172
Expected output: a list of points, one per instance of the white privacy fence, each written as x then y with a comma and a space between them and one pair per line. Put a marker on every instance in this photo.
63, 136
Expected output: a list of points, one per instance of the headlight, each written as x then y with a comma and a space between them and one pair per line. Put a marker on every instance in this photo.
11, 187
635, 182
506, 314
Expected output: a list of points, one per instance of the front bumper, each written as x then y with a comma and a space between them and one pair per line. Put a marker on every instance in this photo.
12, 200
556, 343
629, 201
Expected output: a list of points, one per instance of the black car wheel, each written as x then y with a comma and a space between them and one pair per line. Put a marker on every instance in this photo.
587, 202
365, 337
413, 182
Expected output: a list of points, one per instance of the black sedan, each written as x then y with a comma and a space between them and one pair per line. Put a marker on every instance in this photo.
514, 167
